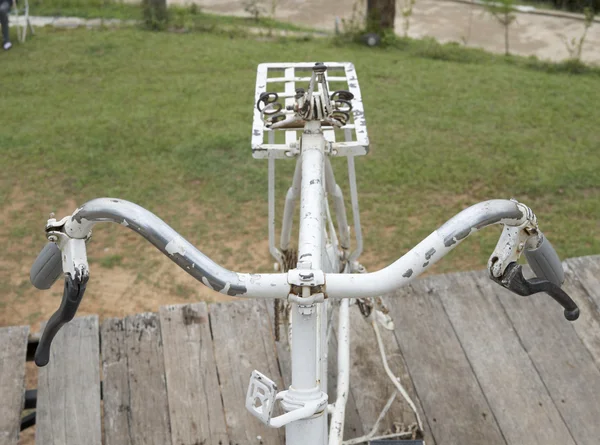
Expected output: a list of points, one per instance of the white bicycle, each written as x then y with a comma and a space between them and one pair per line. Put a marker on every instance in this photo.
324, 267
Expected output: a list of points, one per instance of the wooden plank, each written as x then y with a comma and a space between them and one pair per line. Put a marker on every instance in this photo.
115, 383
243, 341
134, 387
587, 269
68, 404
195, 405
13, 351
454, 404
583, 285
562, 360
510, 382
369, 379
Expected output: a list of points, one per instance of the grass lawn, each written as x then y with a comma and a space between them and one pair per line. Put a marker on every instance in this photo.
164, 120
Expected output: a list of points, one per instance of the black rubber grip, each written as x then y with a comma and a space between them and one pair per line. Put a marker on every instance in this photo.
47, 267
545, 263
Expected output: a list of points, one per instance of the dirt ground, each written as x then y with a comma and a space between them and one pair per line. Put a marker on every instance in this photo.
447, 21
128, 274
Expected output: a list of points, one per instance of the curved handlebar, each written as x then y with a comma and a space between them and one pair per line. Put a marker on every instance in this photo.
198, 265
174, 246
78, 227
430, 250
337, 285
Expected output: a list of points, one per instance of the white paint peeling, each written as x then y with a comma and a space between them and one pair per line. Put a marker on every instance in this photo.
176, 245
207, 284
225, 288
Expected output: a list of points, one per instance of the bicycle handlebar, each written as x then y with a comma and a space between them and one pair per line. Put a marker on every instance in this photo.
174, 246
515, 216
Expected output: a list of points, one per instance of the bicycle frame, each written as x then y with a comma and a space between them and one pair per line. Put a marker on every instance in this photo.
313, 180
317, 276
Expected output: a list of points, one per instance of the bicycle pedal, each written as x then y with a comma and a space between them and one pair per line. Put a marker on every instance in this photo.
397, 442
260, 399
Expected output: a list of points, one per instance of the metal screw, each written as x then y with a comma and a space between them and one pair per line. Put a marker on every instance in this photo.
52, 215
307, 277
306, 309
53, 238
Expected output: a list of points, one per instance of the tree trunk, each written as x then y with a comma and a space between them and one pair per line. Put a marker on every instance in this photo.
380, 15
155, 14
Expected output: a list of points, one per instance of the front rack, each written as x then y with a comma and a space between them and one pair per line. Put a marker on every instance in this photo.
352, 139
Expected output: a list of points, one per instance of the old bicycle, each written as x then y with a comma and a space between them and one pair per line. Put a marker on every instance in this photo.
324, 266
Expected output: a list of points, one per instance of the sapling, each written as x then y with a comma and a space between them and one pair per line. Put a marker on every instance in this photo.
407, 11
575, 46
504, 12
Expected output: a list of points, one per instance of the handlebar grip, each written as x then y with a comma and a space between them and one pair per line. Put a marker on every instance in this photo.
545, 262
47, 267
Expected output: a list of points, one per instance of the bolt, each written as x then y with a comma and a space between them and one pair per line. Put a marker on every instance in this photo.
306, 309
53, 238
319, 68
307, 277
52, 215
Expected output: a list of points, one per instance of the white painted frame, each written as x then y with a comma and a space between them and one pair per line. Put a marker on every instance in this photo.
315, 281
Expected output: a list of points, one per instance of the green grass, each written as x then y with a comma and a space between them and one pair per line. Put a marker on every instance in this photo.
180, 17
85, 9
164, 120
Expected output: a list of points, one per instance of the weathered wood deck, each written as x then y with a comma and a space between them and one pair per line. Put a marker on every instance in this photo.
484, 367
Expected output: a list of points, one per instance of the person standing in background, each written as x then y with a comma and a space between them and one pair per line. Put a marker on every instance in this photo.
4, 10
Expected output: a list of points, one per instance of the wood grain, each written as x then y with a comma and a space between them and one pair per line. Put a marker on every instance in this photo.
561, 359
510, 382
451, 396
243, 341
195, 406
68, 404
582, 283
135, 393
13, 351
369, 379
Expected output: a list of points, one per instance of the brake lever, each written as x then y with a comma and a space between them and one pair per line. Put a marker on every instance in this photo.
72, 296
513, 280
